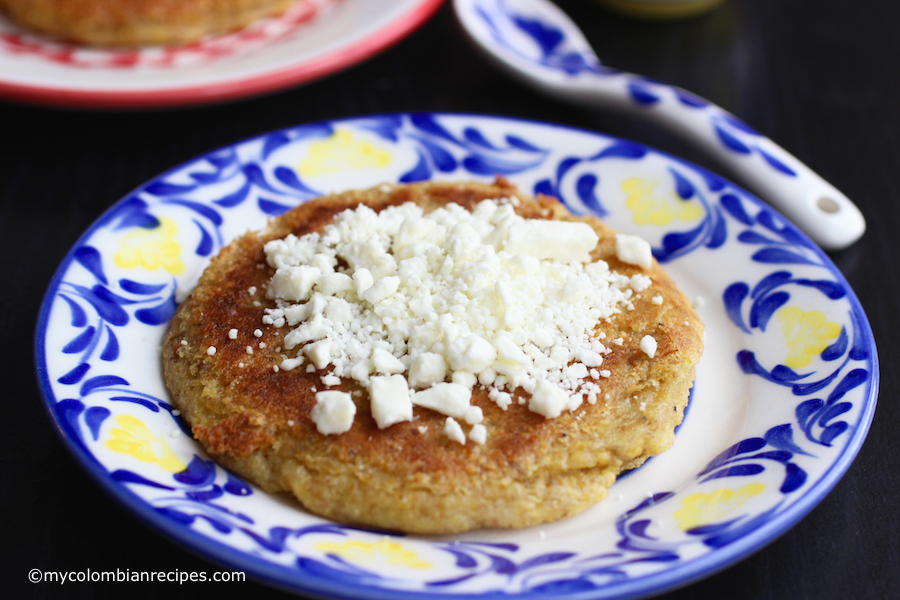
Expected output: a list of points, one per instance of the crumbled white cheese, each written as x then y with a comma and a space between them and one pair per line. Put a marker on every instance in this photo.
427, 368
473, 415
390, 399
589, 358
548, 400
211, 350
478, 434
501, 399
449, 399
634, 250
648, 345
541, 239
657, 300
333, 412
232, 334
640, 282
450, 299
464, 378
385, 362
454, 431
319, 353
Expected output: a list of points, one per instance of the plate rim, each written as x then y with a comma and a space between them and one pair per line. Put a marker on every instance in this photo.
273, 574
259, 84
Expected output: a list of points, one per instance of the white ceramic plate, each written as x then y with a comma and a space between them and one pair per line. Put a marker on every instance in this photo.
784, 395
316, 38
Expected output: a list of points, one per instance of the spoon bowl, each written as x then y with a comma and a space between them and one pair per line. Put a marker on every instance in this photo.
536, 42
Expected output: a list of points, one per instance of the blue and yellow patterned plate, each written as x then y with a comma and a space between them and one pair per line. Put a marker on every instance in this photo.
784, 395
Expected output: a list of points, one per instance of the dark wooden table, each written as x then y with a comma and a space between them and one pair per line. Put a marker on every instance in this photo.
820, 77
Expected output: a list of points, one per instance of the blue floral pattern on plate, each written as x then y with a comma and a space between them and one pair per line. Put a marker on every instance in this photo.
783, 399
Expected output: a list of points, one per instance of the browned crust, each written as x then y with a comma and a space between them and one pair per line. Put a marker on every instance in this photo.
139, 22
257, 422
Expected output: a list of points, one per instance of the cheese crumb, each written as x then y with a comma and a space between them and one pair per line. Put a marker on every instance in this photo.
385, 362
211, 350
232, 334
648, 345
634, 250
640, 282
390, 400
427, 368
449, 399
473, 415
541, 239
333, 412
292, 363
478, 434
548, 400
454, 431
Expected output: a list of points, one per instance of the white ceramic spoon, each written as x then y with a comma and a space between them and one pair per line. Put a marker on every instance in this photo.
538, 43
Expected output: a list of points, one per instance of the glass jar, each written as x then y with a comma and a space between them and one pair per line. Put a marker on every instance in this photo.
661, 9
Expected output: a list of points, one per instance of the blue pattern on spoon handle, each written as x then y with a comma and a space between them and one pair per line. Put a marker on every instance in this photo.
537, 42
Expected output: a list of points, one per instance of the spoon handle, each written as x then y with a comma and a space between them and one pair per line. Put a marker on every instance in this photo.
813, 204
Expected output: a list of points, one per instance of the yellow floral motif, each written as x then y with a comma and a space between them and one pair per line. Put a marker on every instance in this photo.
652, 209
340, 152
807, 334
152, 248
136, 440
367, 552
704, 509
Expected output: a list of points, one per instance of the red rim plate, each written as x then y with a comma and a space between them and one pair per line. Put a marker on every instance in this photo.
354, 52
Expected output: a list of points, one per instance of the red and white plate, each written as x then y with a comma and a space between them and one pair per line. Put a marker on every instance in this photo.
314, 39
